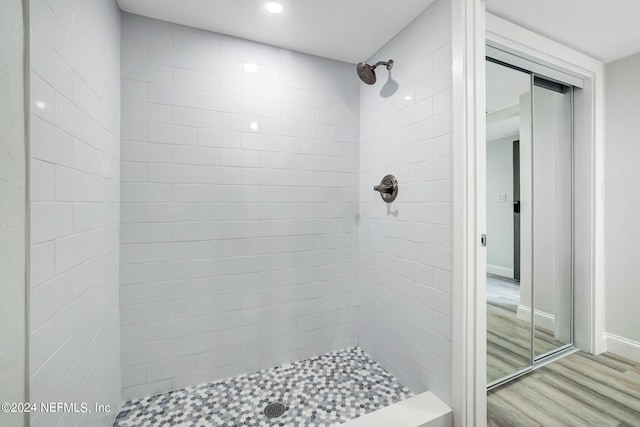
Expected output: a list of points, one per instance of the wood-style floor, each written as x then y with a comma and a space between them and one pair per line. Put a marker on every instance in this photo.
577, 390
509, 342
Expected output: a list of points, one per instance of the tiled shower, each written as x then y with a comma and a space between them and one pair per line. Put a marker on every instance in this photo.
202, 207
239, 240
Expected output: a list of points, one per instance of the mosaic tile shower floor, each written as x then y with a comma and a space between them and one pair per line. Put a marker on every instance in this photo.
321, 391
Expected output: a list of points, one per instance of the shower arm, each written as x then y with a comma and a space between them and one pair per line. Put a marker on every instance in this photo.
388, 64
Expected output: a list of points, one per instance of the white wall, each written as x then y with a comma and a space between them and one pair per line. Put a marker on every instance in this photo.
622, 228
12, 212
239, 244
500, 211
74, 143
405, 246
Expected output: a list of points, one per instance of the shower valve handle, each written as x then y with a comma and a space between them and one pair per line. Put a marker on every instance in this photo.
384, 188
388, 188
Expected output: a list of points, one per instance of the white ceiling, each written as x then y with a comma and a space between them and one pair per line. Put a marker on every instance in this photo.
604, 29
350, 31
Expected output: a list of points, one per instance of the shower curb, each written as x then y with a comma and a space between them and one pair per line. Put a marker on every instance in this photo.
423, 410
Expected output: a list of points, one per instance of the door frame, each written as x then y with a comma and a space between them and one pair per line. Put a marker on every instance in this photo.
469, 376
589, 168
472, 30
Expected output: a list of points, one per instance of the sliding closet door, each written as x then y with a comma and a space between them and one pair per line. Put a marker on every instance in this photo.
509, 335
529, 219
552, 171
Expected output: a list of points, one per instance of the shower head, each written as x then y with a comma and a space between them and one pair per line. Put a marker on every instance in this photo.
367, 72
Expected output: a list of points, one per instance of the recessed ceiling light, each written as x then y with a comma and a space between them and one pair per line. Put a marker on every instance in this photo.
41, 104
408, 97
253, 126
250, 68
273, 7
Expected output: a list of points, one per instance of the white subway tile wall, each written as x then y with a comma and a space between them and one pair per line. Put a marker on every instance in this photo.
75, 180
239, 206
405, 247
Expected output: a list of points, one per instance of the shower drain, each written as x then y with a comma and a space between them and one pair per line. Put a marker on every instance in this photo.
274, 410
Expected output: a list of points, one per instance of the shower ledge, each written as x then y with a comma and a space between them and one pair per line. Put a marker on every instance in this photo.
423, 410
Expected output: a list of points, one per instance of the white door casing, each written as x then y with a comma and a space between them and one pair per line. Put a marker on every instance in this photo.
469, 258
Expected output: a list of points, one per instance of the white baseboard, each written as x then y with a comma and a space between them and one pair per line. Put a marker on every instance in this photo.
542, 319
622, 346
498, 270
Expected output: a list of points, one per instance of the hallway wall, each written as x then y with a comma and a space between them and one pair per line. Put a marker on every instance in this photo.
622, 203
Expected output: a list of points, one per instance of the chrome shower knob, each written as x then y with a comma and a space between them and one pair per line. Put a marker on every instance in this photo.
388, 188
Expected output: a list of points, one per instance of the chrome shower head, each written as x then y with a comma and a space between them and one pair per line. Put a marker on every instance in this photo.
367, 72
